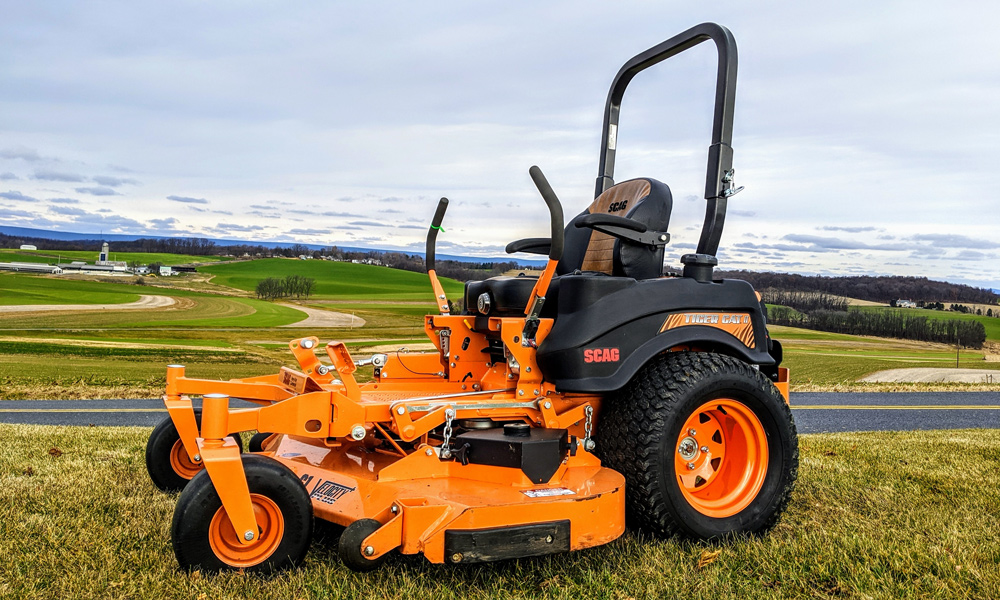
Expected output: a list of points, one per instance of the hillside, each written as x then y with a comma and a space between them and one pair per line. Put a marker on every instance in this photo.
867, 287
338, 280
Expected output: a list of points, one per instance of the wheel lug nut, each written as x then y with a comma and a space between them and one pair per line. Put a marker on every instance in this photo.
704, 449
690, 466
692, 432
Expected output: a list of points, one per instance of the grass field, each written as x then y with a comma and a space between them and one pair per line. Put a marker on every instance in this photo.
874, 515
820, 360
336, 280
230, 319
197, 309
992, 324
18, 288
144, 258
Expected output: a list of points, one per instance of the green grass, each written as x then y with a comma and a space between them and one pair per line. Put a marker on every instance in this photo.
16, 288
208, 343
129, 375
818, 358
167, 353
992, 324
204, 310
338, 280
874, 515
66, 256
218, 311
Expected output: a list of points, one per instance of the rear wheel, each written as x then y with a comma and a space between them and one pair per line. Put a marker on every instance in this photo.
706, 443
204, 538
167, 461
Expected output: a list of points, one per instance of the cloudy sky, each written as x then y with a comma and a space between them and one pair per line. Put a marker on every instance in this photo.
866, 132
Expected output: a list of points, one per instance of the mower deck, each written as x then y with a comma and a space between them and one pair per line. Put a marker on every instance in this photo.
431, 506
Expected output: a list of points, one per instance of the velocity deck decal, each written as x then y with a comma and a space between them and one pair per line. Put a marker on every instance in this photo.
738, 325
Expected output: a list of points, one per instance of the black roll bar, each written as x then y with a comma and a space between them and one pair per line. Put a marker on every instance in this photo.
555, 212
718, 182
432, 233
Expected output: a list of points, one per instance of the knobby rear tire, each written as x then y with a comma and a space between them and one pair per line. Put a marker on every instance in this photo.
641, 426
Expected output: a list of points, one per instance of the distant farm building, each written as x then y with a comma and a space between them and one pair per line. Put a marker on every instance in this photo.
102, 260
31, 268
102, 266
28, 247
906, 304
166, 271
85, 268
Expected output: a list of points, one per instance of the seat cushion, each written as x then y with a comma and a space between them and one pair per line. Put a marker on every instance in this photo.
645, 200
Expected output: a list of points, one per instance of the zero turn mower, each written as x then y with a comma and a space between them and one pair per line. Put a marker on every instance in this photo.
553, 409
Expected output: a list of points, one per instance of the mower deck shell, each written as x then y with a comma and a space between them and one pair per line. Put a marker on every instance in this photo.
434, 497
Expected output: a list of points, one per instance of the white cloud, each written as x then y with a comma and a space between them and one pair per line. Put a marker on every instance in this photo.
97, 191
15, 195
847, 120
187, 199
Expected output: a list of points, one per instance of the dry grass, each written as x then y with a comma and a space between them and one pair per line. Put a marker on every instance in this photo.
77, 390
874, 515
865, 386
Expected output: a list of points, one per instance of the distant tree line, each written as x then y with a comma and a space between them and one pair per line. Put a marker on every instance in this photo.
873, 288
461, 271
803, 301
969, 311
191, 246
884, 323
272, 288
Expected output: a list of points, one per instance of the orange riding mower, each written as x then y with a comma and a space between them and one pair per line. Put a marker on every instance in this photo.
554, 409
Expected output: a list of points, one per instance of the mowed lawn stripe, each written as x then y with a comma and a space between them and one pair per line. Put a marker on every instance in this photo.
16, 288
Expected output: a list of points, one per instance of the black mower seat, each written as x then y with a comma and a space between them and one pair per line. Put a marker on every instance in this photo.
645, 201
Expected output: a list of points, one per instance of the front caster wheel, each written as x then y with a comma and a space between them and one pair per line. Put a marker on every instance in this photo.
707, 446
167, 462
350, 550
204, 538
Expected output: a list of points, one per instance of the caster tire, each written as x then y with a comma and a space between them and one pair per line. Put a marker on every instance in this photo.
256, 443
349, 547
167, 462
203, 537
707, 446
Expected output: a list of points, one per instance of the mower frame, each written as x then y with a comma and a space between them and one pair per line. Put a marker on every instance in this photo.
382, 459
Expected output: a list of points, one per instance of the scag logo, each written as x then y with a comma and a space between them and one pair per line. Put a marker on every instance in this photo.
617, 206
597, 355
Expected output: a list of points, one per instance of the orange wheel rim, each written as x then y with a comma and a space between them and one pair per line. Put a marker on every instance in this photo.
721, 458
270, 526
181, 463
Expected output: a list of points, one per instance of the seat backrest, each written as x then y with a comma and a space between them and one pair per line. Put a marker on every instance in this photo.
645, 200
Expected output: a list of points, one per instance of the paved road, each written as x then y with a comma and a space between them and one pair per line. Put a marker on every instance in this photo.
817, 412
814, 412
